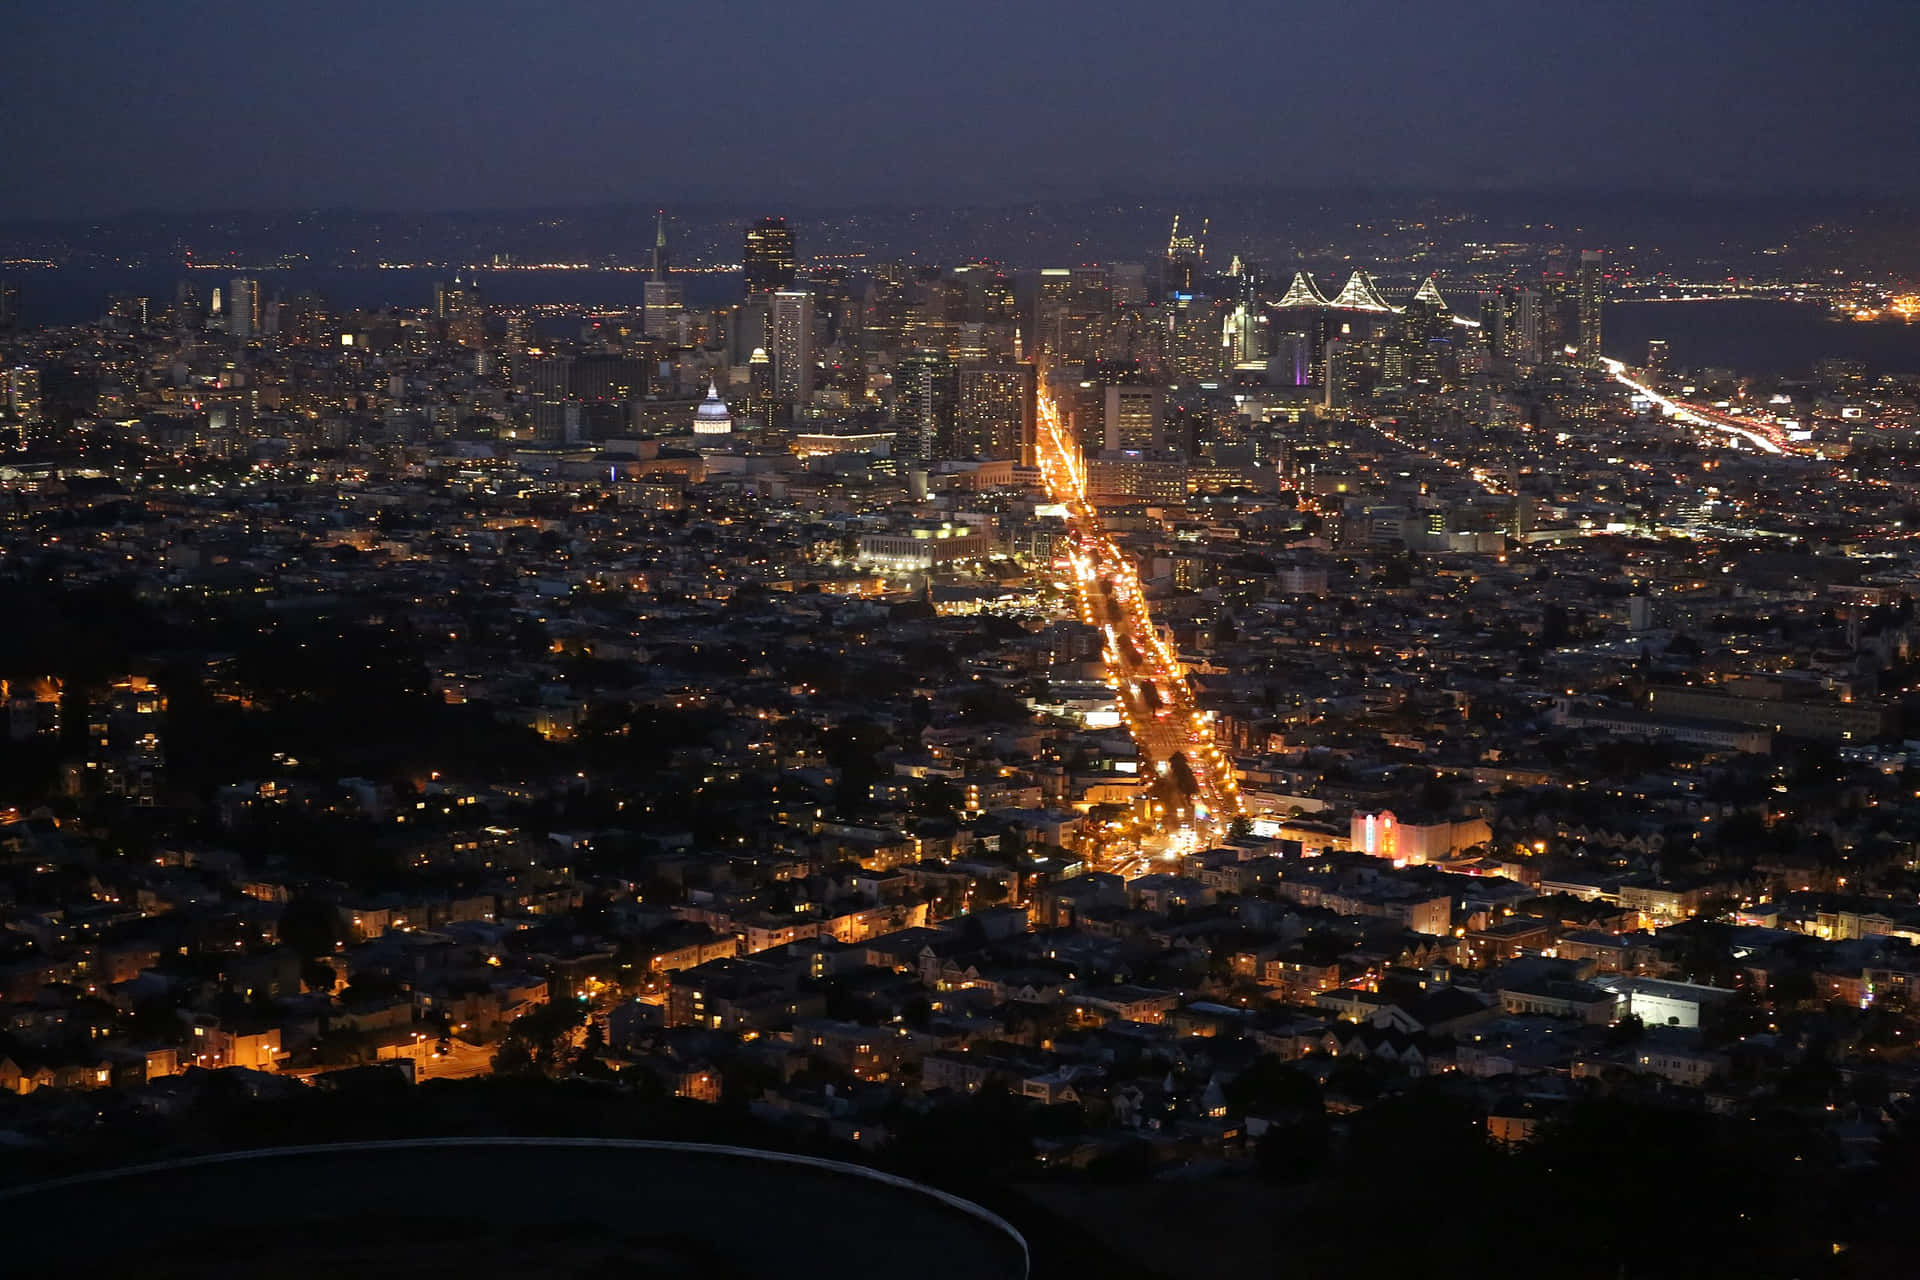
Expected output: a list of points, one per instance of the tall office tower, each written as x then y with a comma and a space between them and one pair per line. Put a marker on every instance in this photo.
1193, 328
542, 375
127, 311
1051, 292
968, 342
1405, 354
1129, 281
1496, 318
760, 386
1185, 253
304, 318
1558, 311
792, 349
923, 406
936, 308
995, 413
1081, 403
557, 420
769, 256
186, 306
461, 308
1290, 364
9, 306
986, 294
1408, 359
1591, 293
1333, 394
1091, 288
1659, 358
24, 404
660, 245
448, 298
836, 313
1248, 277
608, 377
664, 301
1081, 329
749, 328
1426, 317
243, 308
1069, 316
1244, 332
1133, 417
1526, 332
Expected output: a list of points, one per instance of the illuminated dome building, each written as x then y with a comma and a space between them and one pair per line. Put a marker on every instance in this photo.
712, 418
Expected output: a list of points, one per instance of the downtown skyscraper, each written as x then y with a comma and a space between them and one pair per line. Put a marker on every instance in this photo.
1590, 293
791, 350
768, 259
243, 308
663, 299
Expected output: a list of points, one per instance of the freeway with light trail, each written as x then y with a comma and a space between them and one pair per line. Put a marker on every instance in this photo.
1762, 435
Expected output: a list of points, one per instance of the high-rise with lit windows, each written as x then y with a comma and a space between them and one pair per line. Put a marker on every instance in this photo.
1592, 287
792, 348
20, 398
994, 417
663, 303
462, 309
923, 406
1185, 253
243, 308
1133, 417
769, 259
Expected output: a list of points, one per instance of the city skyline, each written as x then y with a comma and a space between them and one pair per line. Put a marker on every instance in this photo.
1053, 634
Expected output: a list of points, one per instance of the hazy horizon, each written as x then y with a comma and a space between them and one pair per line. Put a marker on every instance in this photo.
121, 106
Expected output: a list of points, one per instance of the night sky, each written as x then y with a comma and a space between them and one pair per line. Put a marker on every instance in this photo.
421, 104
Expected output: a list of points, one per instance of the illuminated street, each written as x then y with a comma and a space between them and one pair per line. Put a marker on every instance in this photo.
1762, 436
1194, 795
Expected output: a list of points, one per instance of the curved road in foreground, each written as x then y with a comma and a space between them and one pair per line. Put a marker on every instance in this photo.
461, 1206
